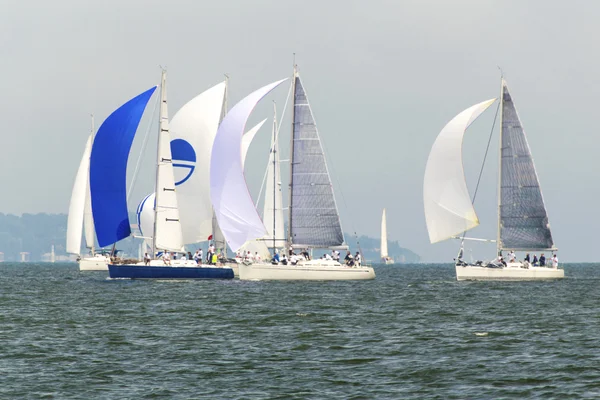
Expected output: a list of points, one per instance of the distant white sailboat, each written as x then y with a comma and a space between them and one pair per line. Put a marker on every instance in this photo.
385, 258
522, 217
80, 216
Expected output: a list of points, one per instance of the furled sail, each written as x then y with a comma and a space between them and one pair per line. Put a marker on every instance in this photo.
448, 207
193, 130
523, 218
167, 227
384, 244
233, 205
78, 200
314, 218
108, 165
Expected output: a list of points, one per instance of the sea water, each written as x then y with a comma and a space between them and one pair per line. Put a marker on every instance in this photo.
412, 333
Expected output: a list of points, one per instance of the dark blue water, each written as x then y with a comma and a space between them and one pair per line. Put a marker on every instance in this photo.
413, 333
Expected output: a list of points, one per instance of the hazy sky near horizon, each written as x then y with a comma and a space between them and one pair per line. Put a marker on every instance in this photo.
383, 78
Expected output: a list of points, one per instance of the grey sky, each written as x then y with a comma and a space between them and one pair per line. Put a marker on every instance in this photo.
383, 78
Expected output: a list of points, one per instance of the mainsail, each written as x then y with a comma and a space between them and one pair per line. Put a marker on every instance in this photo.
522, 215
448, 207
78, 201
384, 244
314, 218
167, 227
108, 166
233, 205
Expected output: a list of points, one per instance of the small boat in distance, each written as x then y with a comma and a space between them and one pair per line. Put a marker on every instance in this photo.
522, 218
385, 258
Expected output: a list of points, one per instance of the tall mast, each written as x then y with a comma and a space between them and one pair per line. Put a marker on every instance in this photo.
498, 241
292, 153
162, 127
273, 151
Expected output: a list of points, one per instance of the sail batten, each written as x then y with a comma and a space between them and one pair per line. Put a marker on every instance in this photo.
311, 188
522, 214
448, 207
108, 165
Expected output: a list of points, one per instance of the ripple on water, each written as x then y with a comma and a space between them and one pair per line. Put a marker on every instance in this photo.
412, 333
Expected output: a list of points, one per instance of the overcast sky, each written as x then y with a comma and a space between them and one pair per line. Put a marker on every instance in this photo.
383, 78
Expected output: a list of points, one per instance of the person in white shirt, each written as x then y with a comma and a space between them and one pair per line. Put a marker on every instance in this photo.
554, 261
512, 257
257, 257
146, 259
166, 258
328, 257
358, 258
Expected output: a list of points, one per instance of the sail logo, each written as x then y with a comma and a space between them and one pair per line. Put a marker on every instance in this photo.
184, 160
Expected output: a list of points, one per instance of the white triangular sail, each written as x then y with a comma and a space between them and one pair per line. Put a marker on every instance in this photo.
167, 228
233, 205
448, 207
193, 130
88, 218
384, 244
249, 137
78, 201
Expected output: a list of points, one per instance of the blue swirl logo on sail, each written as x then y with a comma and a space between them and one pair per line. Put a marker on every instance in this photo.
184, 160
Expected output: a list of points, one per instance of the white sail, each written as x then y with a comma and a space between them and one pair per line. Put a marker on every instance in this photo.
78, 200
384, 244
448, 207
248, 137
193, 129
233, 205
88, 218
273, 205
167, 228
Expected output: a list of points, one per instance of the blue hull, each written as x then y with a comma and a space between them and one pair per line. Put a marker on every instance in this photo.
144, 272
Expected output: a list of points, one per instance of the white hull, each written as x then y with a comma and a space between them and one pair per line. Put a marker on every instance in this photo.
308, 271
95, 263
513, 272
387, 260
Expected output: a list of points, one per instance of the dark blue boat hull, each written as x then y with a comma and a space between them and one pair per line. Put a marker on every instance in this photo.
145, 272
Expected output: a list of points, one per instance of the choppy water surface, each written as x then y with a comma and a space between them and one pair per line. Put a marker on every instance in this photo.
414, 332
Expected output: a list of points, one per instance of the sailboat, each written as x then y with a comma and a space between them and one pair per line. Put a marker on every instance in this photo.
80, 216
385, 258
110, 152
193, 129
522, 218
313, 221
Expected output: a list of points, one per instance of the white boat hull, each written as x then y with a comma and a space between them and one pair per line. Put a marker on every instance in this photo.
96, 263
309, 271
513, 272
